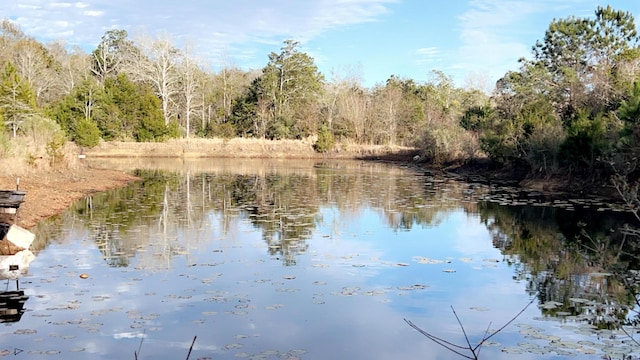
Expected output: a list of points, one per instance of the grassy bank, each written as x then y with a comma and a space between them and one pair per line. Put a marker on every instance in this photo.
245, 148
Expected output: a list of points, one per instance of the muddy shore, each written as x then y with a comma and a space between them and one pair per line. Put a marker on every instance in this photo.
50, 193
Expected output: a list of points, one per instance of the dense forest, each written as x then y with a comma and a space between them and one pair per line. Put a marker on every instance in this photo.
573, 107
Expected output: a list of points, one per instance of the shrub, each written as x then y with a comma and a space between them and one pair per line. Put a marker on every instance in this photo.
224, 130
5, 144
587, 139
32, 160
173, 131
55, 148
87, 133
444, 143
325, 140
40, 129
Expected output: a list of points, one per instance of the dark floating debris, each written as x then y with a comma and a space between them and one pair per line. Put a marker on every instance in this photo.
12, 305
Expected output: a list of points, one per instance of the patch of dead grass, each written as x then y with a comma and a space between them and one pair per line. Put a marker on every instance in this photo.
240, 148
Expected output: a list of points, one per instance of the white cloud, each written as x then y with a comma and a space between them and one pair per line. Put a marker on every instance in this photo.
61, 24
428, 51
428, 55
240, 29
61, 5
28, 7
93, 13
496, 33
489, 42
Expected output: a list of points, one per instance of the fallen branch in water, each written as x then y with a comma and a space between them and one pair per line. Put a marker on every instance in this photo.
458, 349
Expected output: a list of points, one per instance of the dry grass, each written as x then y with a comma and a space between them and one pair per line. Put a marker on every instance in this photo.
28, 158
238, 148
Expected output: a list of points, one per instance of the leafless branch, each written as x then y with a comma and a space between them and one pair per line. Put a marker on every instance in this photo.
191, 347
445, 344
474, 350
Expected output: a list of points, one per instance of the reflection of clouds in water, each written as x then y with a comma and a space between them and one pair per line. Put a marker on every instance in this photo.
471, 237
129, 335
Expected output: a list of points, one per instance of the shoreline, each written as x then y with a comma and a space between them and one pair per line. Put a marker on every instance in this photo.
52, 191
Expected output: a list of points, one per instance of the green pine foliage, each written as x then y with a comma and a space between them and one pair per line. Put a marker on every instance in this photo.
281, 103
325, 141
150, 126
17, 100
557, 114
87, 133
122, 109
55, 149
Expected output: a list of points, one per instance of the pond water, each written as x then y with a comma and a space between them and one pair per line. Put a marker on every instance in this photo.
268, 259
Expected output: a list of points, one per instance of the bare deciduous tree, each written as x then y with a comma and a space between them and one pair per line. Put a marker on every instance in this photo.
156, 63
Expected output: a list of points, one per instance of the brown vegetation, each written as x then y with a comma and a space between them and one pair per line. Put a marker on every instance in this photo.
246, 148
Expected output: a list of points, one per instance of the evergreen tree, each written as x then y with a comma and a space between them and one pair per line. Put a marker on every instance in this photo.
290, 84
17, 100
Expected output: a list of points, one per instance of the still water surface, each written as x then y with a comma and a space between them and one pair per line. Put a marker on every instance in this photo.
265, 259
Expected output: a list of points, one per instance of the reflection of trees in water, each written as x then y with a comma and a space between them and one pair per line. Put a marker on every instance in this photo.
405, 198
162, 214
112, 247
567, 257
597, 299
282, 206
123, 220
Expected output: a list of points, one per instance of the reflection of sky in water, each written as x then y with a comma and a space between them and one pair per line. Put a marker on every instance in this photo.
345, 298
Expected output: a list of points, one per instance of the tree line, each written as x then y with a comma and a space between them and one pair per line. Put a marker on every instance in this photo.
572, 107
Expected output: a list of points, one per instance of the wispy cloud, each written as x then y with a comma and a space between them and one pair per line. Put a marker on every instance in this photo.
487, 33
28, 7
61, 5
428, 55
494, 34
215, 26
93, 13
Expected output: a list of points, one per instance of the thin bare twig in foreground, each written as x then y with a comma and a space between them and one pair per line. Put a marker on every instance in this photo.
475, 350
137, 353
629, 335
445, 344
191, 347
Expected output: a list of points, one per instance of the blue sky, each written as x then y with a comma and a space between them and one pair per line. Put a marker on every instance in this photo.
473, 41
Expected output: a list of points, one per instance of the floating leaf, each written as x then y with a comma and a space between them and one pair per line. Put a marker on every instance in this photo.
479, 308
25, 332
